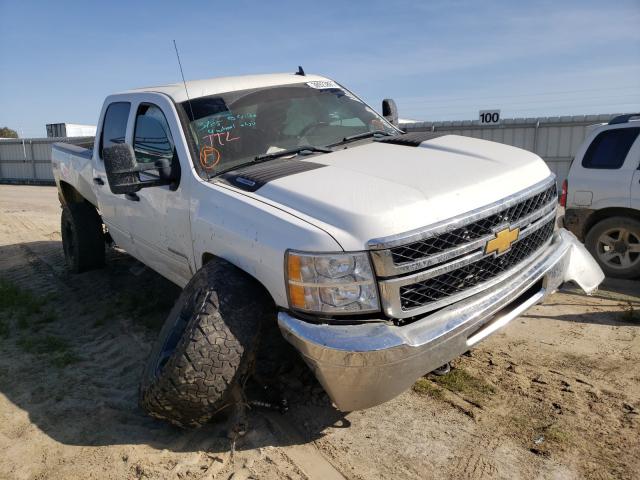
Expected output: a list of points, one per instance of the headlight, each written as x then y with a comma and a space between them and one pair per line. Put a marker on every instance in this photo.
331, 283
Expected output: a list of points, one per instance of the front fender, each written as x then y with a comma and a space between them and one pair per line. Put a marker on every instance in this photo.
251, 234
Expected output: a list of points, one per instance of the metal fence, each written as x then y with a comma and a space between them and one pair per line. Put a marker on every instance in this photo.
28, 160
555, 139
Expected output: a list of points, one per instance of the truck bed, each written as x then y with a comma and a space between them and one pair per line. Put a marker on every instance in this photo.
72, 164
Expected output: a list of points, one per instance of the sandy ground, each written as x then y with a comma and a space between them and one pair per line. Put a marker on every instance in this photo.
554, 395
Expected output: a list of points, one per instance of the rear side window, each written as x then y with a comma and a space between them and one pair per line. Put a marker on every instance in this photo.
152, 137
610, 148
114, 126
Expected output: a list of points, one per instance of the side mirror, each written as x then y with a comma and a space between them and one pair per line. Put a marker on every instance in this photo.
390, 111
123, 171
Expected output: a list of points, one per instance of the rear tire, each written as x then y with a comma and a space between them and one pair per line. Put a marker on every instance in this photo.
204, 352
615, 244
83, 239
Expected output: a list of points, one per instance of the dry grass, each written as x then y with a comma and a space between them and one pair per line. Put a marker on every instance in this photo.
459, 381
56, 348
31, 313
15, 299
427, 388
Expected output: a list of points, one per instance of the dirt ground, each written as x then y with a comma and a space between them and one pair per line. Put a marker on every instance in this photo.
555, 395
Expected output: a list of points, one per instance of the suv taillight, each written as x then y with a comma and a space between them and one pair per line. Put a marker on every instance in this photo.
563, 193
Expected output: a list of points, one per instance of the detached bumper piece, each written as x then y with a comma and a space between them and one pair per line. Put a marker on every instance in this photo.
361, 366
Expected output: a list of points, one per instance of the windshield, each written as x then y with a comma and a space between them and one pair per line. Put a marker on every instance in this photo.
233, 128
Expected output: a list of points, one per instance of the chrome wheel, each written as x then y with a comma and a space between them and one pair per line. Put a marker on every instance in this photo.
619, 248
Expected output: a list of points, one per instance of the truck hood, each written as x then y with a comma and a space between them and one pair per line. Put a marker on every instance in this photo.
378, 189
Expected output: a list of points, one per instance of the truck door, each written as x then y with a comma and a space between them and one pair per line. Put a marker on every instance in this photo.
115, 209
160, 224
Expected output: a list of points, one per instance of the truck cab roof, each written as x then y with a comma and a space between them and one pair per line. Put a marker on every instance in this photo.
213, 86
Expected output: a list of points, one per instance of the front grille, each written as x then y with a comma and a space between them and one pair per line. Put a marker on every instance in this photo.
473, 231
471, 275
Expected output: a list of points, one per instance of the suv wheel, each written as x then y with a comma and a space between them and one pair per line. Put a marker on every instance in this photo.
615, 244
205, 349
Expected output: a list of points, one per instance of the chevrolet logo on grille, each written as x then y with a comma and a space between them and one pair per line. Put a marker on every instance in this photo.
502, 241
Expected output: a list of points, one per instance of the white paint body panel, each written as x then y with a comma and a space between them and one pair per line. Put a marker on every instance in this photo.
212, 86
251, 234
635, 190
75, 169
377, 190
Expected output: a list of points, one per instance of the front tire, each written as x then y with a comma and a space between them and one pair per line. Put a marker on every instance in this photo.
83, 239
615, 244
204, 351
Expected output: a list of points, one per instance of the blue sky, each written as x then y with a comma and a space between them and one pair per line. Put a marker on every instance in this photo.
440, 60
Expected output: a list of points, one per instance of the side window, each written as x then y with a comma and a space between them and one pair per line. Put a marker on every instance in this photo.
152, 138
114, 126
610, 148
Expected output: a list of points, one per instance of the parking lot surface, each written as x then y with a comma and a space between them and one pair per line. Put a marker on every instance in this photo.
556, 394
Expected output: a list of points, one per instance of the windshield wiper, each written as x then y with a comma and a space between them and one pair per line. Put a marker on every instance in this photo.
291, 151
360, 136
270, 156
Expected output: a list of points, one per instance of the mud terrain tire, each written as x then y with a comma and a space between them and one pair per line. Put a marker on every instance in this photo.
83, 238
205, 348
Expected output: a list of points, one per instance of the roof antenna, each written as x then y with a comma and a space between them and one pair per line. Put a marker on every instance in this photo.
185, 83
300, 71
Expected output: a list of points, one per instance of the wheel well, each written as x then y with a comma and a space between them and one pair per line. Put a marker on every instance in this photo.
206, 258
599, 215
68, 194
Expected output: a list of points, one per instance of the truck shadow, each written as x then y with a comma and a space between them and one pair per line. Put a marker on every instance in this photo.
611, 289
621, 306
72, 350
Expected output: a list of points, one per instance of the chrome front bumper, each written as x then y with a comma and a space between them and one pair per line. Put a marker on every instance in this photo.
363, 365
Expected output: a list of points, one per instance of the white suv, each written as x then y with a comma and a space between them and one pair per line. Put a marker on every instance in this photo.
602, 196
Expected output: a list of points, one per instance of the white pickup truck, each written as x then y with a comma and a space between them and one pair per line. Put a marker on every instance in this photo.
284, 197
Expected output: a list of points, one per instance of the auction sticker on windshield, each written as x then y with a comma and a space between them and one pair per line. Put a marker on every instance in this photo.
323, 84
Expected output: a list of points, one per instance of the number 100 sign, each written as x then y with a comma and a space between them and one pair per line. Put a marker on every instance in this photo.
489, 117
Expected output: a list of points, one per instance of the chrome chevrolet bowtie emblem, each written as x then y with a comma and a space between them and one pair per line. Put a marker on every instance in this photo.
502, 241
